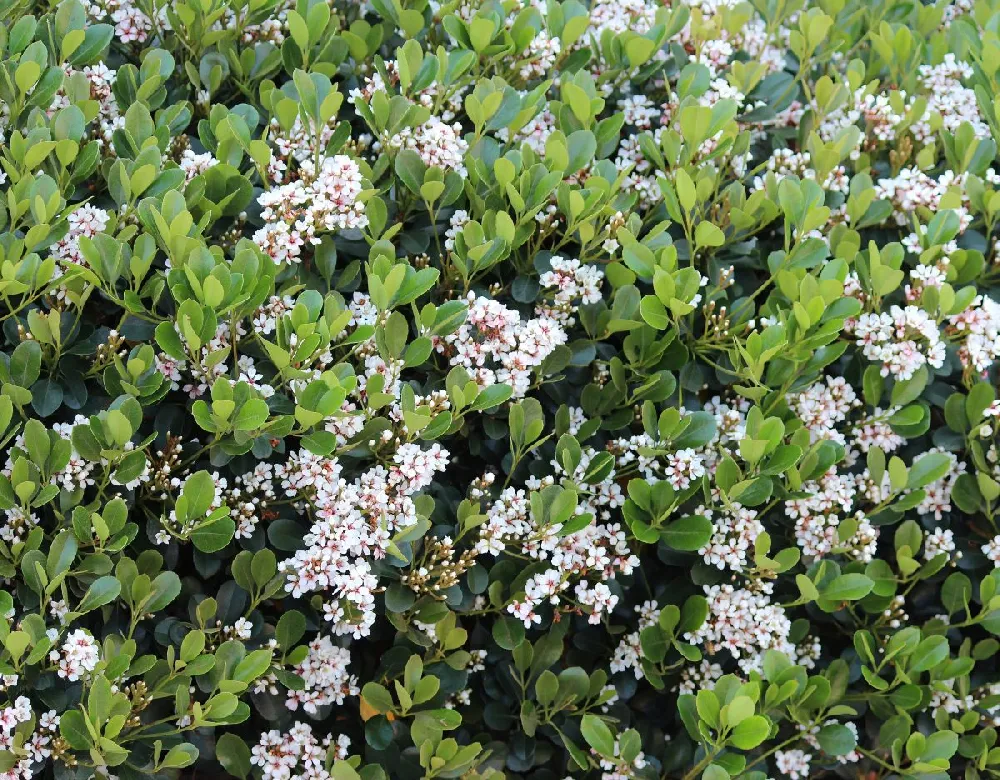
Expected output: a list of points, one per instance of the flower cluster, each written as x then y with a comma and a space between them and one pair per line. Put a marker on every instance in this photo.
903, 340
297, 753
499, 347
745, 623
324, 200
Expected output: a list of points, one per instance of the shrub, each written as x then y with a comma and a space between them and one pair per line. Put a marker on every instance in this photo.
499, 389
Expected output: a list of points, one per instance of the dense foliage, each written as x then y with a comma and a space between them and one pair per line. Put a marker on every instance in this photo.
495, 389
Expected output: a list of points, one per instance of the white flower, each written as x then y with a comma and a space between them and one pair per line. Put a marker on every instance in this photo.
77, 657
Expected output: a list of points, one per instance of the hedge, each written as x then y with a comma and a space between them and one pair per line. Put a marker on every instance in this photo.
403, 389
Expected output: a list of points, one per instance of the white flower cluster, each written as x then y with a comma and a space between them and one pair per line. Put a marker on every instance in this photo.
295, 147
597, 551
744, 622
198, 376
949, 99
730, 425
785, 162
825, 408
629, 651
683, 467
16, 525
265, 319
734, 531
702, 676
640, 176
509, 521
979, 325
937, 494
884, 114
85, 221
496, 346
571, 285
911, 189
271, 30
540, 56
902, 340
597, 598
819, 515
535, 132
132, 24
992, 551
295, 214
875, 431
36, 747
77, 657
679, 467
436, 142
100, 79
353, 522
793, 763
298, 754
939, 542
248, 498
77, 474
639, 111
324, 672
618, 17
823, 405
945, 699
194, 164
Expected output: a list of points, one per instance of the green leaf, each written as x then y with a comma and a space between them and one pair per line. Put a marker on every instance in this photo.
688, 533
252, 415
508, 632
738, 710
751, 732
166, 587
46, 397
654, 312
61, 554
410, 169
215, 535
848, 587
96, 39
654, 643
598, 735
234, 755
929, 653
26, 363
378, 697
102, 591
928, 468
707, 704
180, 756
707, 234
546, 688
290, 629
700, 431
199, 490
341, 770
73, 728
836, 739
